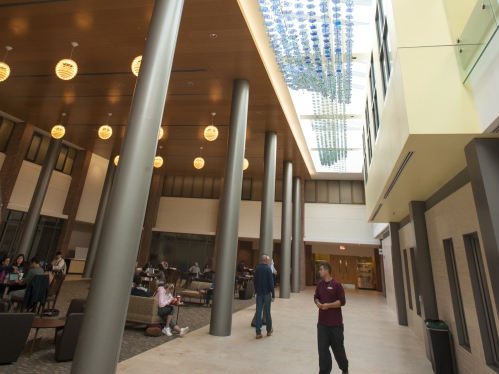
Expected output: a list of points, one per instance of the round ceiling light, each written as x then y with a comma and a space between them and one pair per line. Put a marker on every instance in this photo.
211, 132
245, 164
136, 65
158, 161
66, 69
4, 68
58, 131
105, 132
199, 163
161, 133
116, 159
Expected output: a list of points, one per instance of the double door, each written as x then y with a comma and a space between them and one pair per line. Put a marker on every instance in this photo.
344, 269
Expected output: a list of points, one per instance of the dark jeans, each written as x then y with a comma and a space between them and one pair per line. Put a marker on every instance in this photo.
165, 312
263, 303
209, 294
331, 336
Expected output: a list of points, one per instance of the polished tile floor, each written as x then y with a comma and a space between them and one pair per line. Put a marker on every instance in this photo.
374, 342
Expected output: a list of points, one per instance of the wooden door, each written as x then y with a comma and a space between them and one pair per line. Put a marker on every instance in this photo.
344, 269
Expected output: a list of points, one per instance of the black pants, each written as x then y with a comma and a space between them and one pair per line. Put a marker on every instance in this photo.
331, 336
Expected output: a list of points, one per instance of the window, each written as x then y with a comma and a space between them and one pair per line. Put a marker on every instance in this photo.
6, 128
374, 110
385, 57
380, 20
195, 187
483, 304
246, 193
66, 160
369, 146
365, 155
38, 150
455, 292
407, 280
334, 192
415, 280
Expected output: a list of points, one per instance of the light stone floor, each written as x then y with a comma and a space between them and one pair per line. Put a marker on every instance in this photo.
374, 342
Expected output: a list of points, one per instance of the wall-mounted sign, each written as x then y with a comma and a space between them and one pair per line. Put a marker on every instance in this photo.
342, 247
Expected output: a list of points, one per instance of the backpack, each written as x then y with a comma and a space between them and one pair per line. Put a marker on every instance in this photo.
153, 330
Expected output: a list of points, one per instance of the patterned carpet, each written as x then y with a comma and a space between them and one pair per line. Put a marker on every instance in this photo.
134, 340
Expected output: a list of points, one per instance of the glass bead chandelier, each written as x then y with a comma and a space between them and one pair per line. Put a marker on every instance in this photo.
136, 65
116, 160
245, 164
199, 161
313, 43
158, 160
161, 133
59, 130
211, 132
67, 69
105, 131
4, 68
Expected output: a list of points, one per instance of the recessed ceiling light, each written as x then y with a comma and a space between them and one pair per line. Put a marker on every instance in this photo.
70, 86
190, 83
213, 36
18, 87
258, 112
177, 130
122, 85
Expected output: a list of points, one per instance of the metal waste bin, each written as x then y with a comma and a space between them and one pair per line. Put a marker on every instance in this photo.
442, 355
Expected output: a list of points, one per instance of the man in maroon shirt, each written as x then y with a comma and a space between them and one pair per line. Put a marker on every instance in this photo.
329, 298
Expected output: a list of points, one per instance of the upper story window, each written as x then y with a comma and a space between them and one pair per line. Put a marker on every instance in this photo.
368, 139
385, 57
38, 150
6, 127
334, 192
374, 107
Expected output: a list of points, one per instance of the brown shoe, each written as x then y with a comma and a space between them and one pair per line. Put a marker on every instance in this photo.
270, 332
259, 336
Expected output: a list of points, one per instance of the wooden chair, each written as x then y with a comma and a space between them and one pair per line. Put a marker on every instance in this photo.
36, 293
54, 289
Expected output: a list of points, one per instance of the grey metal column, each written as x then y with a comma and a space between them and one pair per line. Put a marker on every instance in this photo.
424, 273
482, 157
99, 220
287, 188
36, 204
221, 315
398, 275
268, 196
101, 333
297, 238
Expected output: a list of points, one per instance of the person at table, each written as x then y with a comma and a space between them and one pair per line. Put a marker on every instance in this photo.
59, 265
194, 269
34, 270
19, 263
240, 267
166, 310
138, 289
49, 270
6, 268
209, 293
146, 266
206, 269
165, 264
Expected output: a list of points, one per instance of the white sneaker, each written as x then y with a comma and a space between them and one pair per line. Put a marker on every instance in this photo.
167, 331
184, 331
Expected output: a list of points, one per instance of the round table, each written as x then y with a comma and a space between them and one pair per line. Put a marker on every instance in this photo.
45, 323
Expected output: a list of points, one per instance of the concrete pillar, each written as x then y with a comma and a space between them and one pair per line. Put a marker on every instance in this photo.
93, 248
35, 206
101, 333
297, 237
221, 315
398, 274
268, 195
286, 219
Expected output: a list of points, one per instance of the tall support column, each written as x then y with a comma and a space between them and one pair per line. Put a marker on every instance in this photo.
427, 296
221, 315
482, 156
287, 188
101, 333
268, 195
99, 220
35, 206
398, 275
297, 236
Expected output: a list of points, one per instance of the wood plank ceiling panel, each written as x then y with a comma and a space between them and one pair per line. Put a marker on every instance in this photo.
110, 34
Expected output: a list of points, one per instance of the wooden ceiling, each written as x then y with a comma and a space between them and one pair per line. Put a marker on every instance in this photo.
111, 33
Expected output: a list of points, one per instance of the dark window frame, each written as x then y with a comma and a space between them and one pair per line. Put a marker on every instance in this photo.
415, 280
375, 114
407, 280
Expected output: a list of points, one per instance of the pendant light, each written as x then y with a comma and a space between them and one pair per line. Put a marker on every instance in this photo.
116, 159
245, 164
211, 132
67, 69
4, 68
59, 130
199, 161
161, 133
158, 160
136, 65
105, 131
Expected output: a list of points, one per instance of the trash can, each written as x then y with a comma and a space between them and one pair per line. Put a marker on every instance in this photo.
439, 337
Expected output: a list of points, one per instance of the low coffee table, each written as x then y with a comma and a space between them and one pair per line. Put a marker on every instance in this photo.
45, 323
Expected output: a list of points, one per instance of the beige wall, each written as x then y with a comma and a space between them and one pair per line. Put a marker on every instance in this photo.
92, 190
388, 269
452, 218
25, 187
249, 219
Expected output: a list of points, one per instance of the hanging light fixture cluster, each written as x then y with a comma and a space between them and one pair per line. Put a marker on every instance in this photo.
313, 44
67, 69
4, 68
199, 161
59, 130
211, 132
105, 131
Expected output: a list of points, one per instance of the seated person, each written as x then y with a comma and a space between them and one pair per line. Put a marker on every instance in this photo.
5, 268
165, 264
35, 269
161, 273
194, 269
49, 270
19, 263
137, 289
206, 269
59, 265
146, 266
240, 267
166, 310
209, 293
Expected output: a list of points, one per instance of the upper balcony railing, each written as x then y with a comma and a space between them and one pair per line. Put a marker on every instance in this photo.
479, 30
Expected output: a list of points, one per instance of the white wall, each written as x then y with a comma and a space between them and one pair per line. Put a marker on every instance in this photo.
484, 82
92, 190
338, 223
350, 250
55, 198
378, 228
249, 219
183, 215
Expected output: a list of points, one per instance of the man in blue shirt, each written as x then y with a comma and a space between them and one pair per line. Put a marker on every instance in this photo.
264, 288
